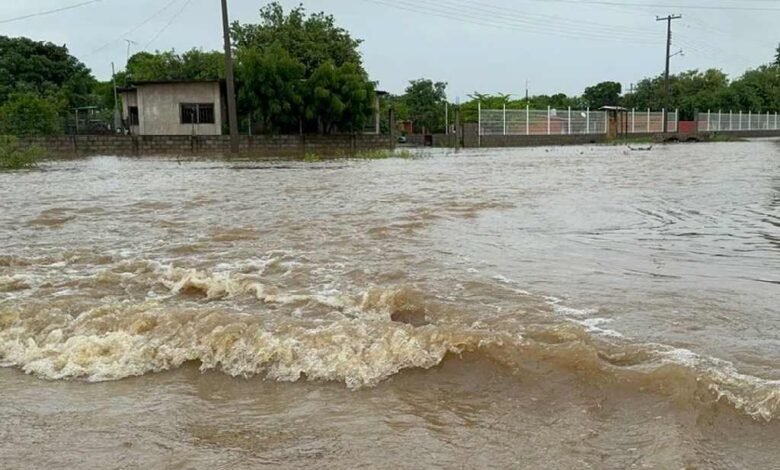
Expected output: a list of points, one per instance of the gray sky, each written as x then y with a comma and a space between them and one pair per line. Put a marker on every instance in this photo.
489, 46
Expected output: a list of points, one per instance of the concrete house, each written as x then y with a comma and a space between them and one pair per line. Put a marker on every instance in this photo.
191, 107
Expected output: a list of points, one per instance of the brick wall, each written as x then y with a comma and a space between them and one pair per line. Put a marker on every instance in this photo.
287, 146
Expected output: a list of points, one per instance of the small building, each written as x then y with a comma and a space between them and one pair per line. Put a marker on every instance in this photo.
170, 107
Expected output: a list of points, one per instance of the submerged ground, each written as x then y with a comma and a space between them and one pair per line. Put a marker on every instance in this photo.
583, 307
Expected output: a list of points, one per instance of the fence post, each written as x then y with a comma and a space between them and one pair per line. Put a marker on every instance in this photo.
527, 119
606, 122
740, 121
767, 120
648, 120
731, 119
633, 120
587, 121
776, 128
569, 125
663, 120
504, 118
479, 119
676, 120
548, 120
709, 120
720, 120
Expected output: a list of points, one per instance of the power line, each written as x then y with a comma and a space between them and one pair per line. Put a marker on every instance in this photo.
662, 5
49, 12
134, 29
509, 22
168, 24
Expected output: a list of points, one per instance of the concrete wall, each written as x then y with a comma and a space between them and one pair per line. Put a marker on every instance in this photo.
159, 108
276, 146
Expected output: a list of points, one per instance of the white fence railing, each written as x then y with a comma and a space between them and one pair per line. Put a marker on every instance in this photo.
737, 121
570, 122
645, 121
541, 122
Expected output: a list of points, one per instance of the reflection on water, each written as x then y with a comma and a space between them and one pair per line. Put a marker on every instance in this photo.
587, 307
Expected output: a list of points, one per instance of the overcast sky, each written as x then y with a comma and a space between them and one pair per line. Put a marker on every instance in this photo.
489, 46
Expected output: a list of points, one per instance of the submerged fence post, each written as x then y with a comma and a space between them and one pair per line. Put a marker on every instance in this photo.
569, 129
633, 120
676, 120
750, 120
767, 120
720, 120
548, 120
709, 120
527, 119
740, 121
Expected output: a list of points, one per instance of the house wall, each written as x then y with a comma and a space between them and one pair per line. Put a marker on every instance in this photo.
159, 108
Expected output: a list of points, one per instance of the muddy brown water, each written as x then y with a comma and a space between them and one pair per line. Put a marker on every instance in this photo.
582, 307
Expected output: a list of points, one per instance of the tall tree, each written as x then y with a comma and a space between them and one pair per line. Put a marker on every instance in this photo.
340, 98
42, 68
271, 88
27, 113
425, 101
777, 56
311, 39
603, 94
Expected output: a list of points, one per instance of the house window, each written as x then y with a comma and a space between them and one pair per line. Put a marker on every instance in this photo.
201, 113
133, 115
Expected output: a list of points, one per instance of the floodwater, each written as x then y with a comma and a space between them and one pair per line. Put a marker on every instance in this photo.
581, 307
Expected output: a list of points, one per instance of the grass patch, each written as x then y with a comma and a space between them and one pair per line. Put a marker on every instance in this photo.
14, 157
724, 138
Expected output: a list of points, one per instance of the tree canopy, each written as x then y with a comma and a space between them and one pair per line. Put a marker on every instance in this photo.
42, 68
425, 101
311, 39
168, 65
603, 94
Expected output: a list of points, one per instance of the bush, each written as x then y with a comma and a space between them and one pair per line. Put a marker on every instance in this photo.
27, 114
14, 157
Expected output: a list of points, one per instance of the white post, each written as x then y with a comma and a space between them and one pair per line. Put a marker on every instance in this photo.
750, 120
633, 120
720, 120
740, 120
527, 119
479, 118
606, 122
587, 121
767, 120
549, 117
504, 118
676, 120
663, 119
569, 129
709, 120
731, 119
648, 120
776, 128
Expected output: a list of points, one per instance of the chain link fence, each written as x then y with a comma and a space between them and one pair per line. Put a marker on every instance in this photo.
737, 121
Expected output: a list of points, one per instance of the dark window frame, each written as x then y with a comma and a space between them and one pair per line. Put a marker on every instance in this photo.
133, 118
197, 113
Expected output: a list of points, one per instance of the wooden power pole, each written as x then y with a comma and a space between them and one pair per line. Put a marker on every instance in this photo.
231, 84
668, 20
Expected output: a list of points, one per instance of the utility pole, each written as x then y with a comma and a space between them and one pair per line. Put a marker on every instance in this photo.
668, 20
117, 119
231, 85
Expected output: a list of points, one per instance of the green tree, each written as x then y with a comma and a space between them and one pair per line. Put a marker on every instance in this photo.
777, 57
312, 39
603, 94
425, 101
168, 65
42, 68
339, 98
271, 88
27, 113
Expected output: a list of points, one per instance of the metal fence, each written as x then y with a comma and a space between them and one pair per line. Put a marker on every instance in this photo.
649, 122
541, 122
738, 121
569, 122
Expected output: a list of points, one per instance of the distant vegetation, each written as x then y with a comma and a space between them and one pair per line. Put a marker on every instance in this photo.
15, 157
302, 72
